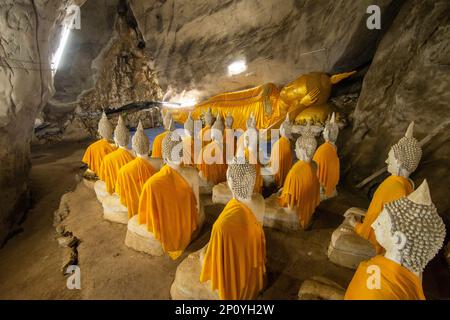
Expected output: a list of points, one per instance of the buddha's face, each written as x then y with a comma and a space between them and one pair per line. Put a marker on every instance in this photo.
326, 134
392, 242
393, 165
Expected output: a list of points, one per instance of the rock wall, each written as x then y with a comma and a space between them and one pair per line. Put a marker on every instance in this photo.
30, 32
194, 41
408, 80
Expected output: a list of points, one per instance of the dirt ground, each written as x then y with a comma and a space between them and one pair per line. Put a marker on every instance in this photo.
31, 262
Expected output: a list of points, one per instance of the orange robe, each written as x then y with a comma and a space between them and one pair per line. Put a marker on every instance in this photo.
301, 191
95, 153
396, 282
168, 207
157, 145
392, 188
328, 168
111, 165
130, 180
236, 254
281, 159
215, 172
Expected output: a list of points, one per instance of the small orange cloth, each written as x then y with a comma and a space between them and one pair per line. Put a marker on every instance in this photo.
328, 168
281, 159
214, 172
396, 282
301, 191
157, 145
95, 153
392, 188
168, 207
236, 255
130, 180
111, 165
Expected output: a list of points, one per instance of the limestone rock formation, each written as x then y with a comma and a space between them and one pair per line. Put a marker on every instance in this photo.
408, 80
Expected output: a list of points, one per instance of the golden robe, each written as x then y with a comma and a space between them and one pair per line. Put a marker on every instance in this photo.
95, 153
392, 188
328, 168
130, 180
236, 254
281, 159
111, 165
396, 282
214, 172
168, 207
301, 191
157, 145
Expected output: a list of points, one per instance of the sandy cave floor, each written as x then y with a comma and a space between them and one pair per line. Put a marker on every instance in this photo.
31, 262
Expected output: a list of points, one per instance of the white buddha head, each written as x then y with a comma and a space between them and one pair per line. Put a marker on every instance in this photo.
208, 117
331, 130
140, 142
105, 128
189, 126
410, 229
251, 139
241, 178
217, 129
121, 134
286, 128
229, 120
404, 157
172, 149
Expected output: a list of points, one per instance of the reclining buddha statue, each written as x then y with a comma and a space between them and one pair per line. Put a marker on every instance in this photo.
294, 205
112, 163
123, 204
232, 264
170, 214
157, 142
95, 153
270, 104
354, 240
411, 233
327, 160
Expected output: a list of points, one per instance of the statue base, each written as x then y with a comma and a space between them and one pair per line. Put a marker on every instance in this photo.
280, 218
100, 190
347, 249
114, 210
319, 288
324, 197
205, 187
187, 285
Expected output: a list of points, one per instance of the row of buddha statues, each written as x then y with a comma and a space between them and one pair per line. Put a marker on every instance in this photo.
159, 197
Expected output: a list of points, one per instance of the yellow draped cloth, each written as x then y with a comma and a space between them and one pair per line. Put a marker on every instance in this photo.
95, 153
392, 188
396, 282
157, 145
130, 180
213, 172
301, 191
328, 167
236, 254
281, 159
168, 207
111, 165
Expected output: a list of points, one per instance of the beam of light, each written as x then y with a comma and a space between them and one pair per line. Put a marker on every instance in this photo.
237, 67
184, 103
62, 44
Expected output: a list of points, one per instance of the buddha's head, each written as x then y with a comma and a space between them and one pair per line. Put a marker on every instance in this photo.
410, 229
208, 117
105, 128
229, 121
251, 121
172, 149
405, 155
331, 130
189, 126
241, 178
140, 142
121, 134
286, 128
217, 129
305, 147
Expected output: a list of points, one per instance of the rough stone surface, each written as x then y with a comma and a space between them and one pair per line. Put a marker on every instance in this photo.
408, 80
193, 42
319, 288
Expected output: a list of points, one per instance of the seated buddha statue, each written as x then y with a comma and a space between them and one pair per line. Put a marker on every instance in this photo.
411, 232
232, 265
170, 214
251, 125
205, 133
112, 163
123, 204
354, 241
229, 137
327, 160
157, 142
189, 142
95, 153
